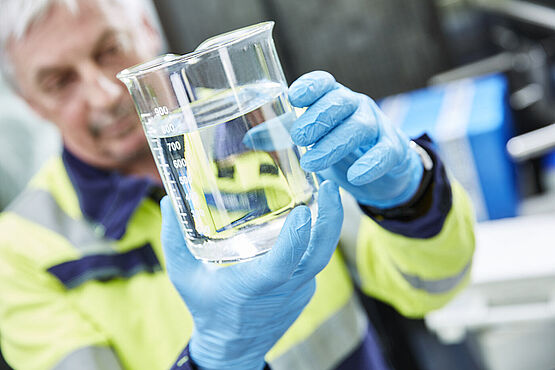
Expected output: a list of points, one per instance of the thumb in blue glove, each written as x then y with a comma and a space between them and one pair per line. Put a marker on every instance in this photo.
353, 143
240, 311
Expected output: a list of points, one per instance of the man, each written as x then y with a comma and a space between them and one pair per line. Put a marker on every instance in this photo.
81, 279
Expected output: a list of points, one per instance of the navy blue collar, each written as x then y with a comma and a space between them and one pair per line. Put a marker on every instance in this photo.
106, 197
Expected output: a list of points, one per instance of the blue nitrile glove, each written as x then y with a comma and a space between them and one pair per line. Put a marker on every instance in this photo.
353, 142
240, 311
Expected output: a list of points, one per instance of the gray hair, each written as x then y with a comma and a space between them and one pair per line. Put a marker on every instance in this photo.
17, 16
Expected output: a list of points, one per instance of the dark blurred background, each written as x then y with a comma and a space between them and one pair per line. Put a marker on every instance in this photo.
379, 47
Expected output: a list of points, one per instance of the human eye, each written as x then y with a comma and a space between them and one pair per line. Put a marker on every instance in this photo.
110, 50
58, 82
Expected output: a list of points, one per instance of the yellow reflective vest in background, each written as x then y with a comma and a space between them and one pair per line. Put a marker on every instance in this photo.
125, 303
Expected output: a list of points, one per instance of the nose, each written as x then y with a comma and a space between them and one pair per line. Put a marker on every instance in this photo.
101, 92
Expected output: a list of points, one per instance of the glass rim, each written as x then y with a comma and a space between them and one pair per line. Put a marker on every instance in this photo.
167, 60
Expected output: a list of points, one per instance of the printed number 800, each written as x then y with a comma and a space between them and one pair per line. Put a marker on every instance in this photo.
161, 111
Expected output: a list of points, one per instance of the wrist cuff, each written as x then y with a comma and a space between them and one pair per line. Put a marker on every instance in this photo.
185, 362
423, 216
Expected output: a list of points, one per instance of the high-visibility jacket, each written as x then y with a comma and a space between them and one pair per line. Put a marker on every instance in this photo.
69, 295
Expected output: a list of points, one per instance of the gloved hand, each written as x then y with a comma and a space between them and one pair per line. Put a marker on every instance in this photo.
353, 142
240, 311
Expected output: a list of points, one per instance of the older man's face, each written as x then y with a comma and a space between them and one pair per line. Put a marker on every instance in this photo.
65, 67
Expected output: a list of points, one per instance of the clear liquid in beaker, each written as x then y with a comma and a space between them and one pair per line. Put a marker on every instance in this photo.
235, 178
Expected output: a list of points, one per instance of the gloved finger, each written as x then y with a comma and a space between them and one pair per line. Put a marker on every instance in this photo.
325, 232
177, 255
310, 87
375, 163
278, 265
272, 134
322, 116
340, 142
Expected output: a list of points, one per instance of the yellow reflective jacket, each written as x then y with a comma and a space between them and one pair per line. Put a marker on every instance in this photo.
125, 303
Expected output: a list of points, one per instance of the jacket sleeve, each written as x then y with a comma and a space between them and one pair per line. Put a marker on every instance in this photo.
417, 263
39, 326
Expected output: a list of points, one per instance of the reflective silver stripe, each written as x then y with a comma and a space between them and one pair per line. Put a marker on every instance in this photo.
90, 358
349, 233
436, 286
40, 207
330, 343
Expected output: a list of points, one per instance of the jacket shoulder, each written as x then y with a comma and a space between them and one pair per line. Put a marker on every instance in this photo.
31, 221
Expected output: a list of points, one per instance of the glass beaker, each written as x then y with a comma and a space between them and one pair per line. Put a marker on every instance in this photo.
217, 121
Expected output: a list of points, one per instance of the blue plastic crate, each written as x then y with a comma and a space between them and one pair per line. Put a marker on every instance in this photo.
470, 121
